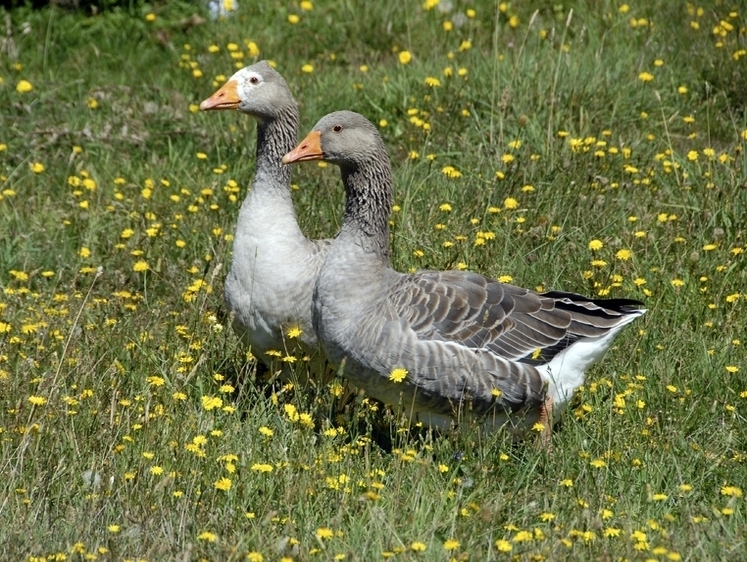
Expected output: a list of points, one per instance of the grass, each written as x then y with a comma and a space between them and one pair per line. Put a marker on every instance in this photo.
133, 426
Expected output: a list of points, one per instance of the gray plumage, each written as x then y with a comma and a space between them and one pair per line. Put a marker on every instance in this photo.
471, 346
269, 287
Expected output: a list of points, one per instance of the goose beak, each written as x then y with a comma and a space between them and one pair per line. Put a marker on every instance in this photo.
309, 149
227, 97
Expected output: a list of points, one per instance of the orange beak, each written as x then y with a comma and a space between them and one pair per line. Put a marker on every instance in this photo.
226, 97
309, 149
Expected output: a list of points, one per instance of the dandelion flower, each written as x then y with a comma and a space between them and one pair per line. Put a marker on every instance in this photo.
37, 400
211, 402
224, 484
140, 266
645, 77
733, 491
293, 19
418, 546
324, 533
595, 245
624, 255
510, 203
37, 167
451, 172
307, 68
398, 375
207, 536
405, 57
24, 86
502, 545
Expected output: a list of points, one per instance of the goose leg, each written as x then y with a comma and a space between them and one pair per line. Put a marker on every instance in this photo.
546, 419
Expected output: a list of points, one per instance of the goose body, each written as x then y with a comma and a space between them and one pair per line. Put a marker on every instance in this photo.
269, 286
471, 346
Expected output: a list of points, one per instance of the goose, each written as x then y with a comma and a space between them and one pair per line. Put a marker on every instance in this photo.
461, 345
269, 285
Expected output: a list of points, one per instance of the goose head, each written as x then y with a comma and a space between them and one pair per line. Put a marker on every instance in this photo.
257, 90
344, 138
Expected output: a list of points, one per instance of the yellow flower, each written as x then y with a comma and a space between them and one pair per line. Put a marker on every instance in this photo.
150, 17
207, 536
113, 528
37, 167
324, 533
140, 265
732, 369
294, 332
293, 19
624, 254
261, 467
510, 203
418, 546
252, 48
24, 86
256, 556
405, 57
595, 245
398, 375
645, 77
156, 470
307, 68
432, 82
451, 544
211, 402
223, 484
503, 545
37, 400
92, 103
733, 491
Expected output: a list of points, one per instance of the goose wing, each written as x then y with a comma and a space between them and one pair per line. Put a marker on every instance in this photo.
511, 322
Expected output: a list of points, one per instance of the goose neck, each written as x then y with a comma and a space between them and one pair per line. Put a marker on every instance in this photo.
368, 192
275, 137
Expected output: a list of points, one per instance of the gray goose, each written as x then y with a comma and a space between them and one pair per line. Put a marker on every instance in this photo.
472, 347
269, 286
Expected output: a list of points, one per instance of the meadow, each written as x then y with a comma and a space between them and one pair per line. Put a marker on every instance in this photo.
595, 146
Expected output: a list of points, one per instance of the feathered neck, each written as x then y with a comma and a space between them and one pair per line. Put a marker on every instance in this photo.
368, 203
276, 136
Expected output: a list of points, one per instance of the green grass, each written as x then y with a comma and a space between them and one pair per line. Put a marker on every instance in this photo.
113, 444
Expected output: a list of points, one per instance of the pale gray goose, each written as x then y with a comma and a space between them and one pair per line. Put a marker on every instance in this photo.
269, 286
471, 346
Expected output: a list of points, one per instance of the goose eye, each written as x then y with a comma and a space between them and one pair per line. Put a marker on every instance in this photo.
337, 128
254, 80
